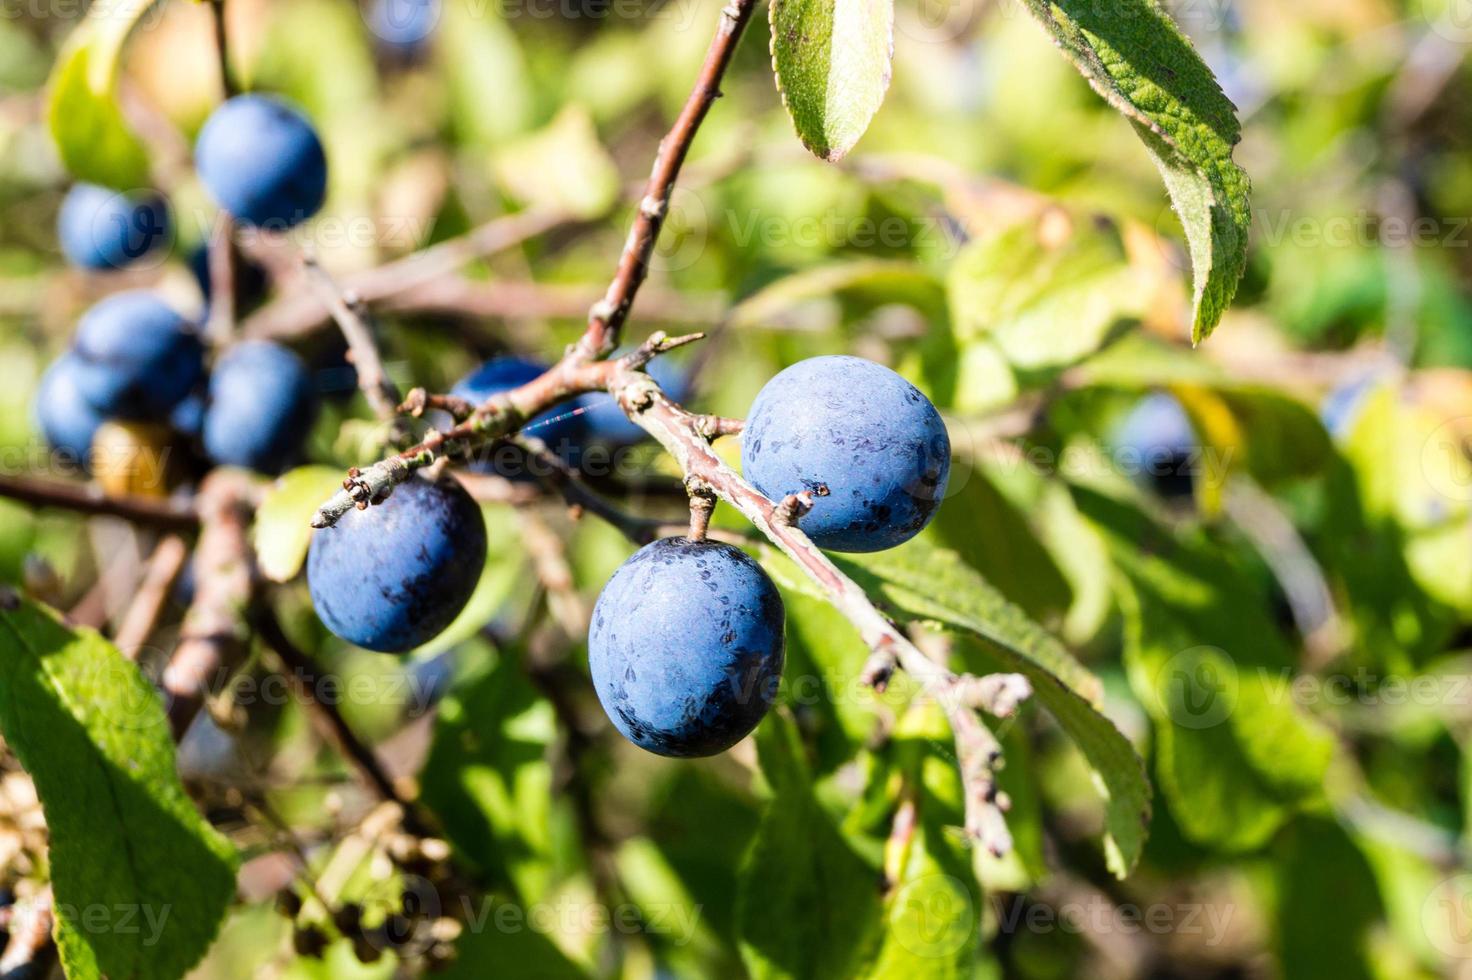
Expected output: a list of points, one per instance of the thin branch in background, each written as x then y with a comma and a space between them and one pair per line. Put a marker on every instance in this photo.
141, 618
222, 49
606, 318
514, 300
85, 498
303, 311
549, 559
215, 634
221, 263
333, 727
568, 481
558, 681
383, 397
1310, 600
119, 564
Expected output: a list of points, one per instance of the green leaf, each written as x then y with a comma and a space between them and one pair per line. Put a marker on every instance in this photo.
1329, 904
996, 538
1046, 303
487, 775
1135, 56
808, 905
141, 881
926, 583
94, 140
859, 285
283, 530
562, 168
478, 53
1234, 755
933, 906
824, 654
525, 951
832, 63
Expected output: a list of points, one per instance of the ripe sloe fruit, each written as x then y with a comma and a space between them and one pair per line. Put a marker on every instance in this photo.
136, 357
1157, 433
395, 575
867, 444
686, 647
67, 420
261, 406
100, 228
560, 430
262, 162
404, 25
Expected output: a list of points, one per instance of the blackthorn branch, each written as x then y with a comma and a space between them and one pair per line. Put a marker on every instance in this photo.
687, 437
89, 499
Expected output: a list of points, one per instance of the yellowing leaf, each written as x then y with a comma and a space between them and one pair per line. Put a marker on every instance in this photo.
283, 530
94, 140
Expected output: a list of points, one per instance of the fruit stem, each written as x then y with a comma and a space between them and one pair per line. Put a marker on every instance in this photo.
702, 506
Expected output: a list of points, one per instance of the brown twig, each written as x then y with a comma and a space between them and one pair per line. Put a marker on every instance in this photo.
549, 560
215, 631
568, 481
513, 300
220, 261
497, 416
222, 49
347, 310
606, 318
43, 492
334, 729
142, 615
303, 311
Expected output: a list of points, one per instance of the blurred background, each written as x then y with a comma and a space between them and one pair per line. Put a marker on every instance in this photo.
1279, 617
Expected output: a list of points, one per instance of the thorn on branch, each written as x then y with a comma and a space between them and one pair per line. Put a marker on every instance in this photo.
792, 507
712, 427
996, 694
350, 313
658, 343
418, 400
880, 666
